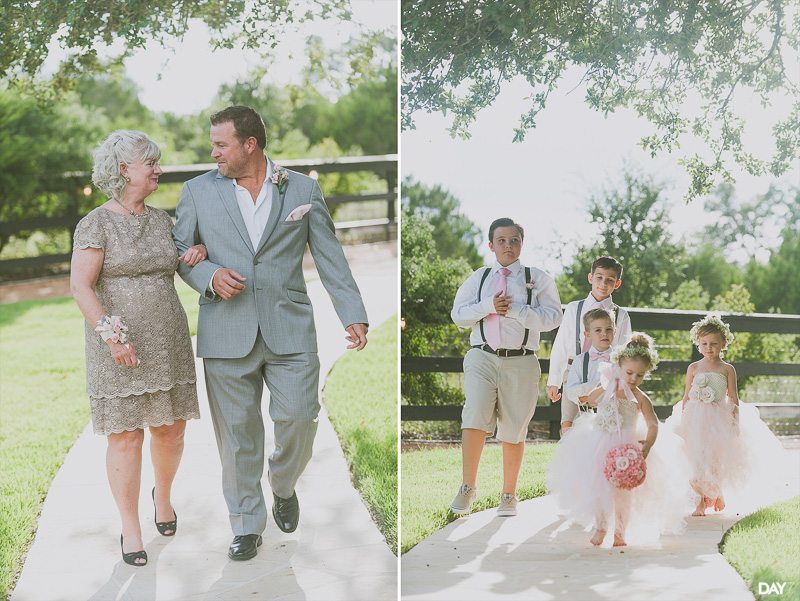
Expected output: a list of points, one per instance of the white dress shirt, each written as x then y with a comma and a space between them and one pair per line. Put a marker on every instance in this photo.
542, 315
564, 344
575, 386
254, 214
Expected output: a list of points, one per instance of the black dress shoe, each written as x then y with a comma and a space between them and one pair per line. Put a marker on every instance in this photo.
286, 512
244, 546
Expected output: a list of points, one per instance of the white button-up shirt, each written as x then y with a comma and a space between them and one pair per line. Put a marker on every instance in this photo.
564, 344
255, 214
542, 315
575, 386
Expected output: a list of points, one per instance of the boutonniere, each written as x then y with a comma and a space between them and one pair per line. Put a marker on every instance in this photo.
280, 177
530, 285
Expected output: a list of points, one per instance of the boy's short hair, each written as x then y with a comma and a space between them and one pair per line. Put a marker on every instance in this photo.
606, 262
505, 222
595, 315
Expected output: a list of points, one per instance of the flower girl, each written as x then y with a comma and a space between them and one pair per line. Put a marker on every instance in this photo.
728, 445
609, 467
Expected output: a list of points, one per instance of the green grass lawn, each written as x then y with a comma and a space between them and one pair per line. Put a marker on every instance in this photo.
361, 398
43, 409
430, 480
764, 547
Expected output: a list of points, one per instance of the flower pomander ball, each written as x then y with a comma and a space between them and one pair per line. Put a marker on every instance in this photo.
625, 466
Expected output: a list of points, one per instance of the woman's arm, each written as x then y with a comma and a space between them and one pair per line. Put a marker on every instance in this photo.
85, 269
651, 420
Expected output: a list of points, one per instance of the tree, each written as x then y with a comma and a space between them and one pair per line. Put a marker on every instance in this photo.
39, 145
83, 26
428, 285
652, 57
708, 264
776, 285
744, 226
454, 234
632, 226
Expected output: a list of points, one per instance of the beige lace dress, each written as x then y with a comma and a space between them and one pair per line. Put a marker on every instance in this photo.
136, 282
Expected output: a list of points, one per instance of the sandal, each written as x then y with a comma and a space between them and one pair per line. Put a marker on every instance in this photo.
130, 558
162, 527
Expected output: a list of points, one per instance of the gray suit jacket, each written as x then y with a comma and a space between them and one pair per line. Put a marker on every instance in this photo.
274, 299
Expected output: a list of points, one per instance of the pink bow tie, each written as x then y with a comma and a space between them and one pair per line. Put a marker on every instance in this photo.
606, 355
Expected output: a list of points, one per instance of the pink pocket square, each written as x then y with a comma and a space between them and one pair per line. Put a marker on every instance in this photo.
297, 213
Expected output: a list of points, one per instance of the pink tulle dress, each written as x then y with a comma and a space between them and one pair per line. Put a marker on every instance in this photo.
739, 460
576, 479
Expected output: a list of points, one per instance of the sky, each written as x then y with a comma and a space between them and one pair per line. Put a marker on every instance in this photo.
185, 78
545, 182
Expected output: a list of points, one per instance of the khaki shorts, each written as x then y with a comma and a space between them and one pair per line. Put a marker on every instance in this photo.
500, 392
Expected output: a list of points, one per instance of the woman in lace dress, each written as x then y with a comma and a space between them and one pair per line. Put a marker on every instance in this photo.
139, 361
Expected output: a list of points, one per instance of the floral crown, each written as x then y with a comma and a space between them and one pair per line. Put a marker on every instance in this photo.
642, 348
711, 323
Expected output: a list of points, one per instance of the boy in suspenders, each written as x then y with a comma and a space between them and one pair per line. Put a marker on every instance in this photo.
605, 277
584, 373
506, 306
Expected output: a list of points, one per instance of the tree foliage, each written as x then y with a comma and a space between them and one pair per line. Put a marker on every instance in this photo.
655, 58
428, 285
39, 145
454, 234
632, 226
83, 26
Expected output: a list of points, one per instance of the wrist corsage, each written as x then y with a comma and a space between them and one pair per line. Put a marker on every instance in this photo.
112, 328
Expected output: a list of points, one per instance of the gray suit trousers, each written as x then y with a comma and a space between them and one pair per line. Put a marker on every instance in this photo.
234, 389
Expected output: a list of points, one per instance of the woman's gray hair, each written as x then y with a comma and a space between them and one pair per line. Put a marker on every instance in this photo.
121, 146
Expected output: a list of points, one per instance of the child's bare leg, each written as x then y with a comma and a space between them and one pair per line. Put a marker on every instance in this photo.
622, 502
719, 503
700, 510
599, 533
564, 427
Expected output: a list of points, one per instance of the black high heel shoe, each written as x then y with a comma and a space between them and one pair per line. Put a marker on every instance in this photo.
163, 526
130, 558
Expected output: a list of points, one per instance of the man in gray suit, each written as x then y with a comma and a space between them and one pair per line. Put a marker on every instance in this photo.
256, 322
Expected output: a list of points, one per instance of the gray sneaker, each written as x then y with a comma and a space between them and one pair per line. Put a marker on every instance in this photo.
508, 505
462, 502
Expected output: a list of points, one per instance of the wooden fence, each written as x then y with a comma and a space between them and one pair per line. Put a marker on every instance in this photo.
385, 166
641, 320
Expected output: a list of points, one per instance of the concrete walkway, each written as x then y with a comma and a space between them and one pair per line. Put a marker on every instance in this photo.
336, 553
538, 556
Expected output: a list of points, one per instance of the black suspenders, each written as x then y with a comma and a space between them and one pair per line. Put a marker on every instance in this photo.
585, 368
528, 302
480, 286
485, 275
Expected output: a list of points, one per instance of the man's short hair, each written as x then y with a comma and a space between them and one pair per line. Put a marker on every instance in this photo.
607, 262
505, 222
246, 123
595, 315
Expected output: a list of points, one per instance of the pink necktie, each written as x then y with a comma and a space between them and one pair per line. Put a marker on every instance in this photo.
493, 338
604, 355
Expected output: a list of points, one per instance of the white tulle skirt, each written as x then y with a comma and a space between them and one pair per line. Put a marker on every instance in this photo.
743, 463
659, 505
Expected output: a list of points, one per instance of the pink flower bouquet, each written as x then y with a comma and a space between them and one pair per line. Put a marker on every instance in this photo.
625, 466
